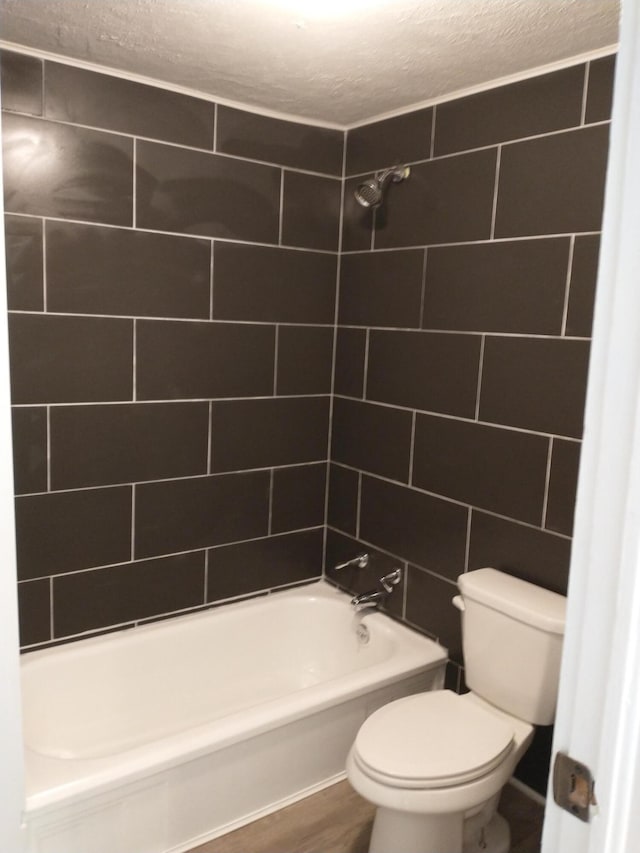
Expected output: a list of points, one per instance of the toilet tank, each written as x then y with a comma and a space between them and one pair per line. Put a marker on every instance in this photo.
512, 634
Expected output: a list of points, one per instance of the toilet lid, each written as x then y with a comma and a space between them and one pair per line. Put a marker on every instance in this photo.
431, 740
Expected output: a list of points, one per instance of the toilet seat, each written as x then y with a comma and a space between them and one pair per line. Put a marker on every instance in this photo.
431, 740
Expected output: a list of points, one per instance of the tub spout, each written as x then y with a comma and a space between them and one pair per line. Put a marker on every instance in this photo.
376, 596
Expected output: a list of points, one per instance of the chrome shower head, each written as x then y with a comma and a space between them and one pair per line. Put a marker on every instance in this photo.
371, 192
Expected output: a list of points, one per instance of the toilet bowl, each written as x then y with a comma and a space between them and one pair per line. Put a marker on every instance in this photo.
435, 763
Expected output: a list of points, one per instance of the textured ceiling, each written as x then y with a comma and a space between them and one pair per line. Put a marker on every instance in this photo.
338, 67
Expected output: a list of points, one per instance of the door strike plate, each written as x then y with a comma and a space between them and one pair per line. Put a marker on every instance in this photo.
573, 786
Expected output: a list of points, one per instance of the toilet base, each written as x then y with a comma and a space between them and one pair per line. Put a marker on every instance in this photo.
402, 832
494, 837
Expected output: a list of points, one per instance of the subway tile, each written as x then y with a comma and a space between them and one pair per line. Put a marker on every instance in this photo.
582, 291
183, 515
516, 286
101, 100
102, 445
420, 528
310, 211
381, 289
355, 579
268, 433
553, 184
29, 449
181, 360
94, 270
67, 531
421, 370
298, 497
70, 359
398, 140
86, 601
350, 361
23, 243
21, 82
563, 481
529, 107
343, 499
429, 607
533, 767
304, 360
600, 89
194, 192
288, 143
34, 611
273, 285
536, 384
372, 438
357, 221
264, 563
443, 201
59, 170
496, 469
533, 555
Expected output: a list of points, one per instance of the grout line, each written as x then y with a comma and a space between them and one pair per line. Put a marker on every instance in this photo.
135, 361
291, 248
214, 141
479, 386
44, 265
222, 239
516, 141
358, 504
567, 289
412, 448
221, 322
210, 439
51, 610
585, 93
276, 346
271, 484
334, 351
172, 554
547, 483
48, 410
128, 402
135, 183
454, 501
495, 193
281, 208
133, 522
467, 547
211, 264
206, 575
423, 288
432, 145
365, 372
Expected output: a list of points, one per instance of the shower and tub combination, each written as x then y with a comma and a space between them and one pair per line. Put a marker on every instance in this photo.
158, 738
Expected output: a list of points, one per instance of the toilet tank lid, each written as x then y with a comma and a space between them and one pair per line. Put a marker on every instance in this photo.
519, 599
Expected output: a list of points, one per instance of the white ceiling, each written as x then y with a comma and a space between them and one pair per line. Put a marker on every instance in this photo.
345, 62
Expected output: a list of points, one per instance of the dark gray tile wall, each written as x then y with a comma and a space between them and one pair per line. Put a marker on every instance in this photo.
464, 321
172, 289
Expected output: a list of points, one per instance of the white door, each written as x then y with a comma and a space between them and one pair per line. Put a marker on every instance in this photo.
11, 764
598, 722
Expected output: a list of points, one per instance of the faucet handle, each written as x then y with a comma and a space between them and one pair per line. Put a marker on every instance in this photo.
392, 579
361, 562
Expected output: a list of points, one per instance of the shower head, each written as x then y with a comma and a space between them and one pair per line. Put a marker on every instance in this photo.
371, 192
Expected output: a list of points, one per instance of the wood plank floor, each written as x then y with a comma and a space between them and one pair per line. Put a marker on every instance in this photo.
337, 820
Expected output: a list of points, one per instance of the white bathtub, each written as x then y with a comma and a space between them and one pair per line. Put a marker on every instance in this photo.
159, 738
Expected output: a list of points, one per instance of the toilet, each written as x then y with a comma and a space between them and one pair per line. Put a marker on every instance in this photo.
435, 763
